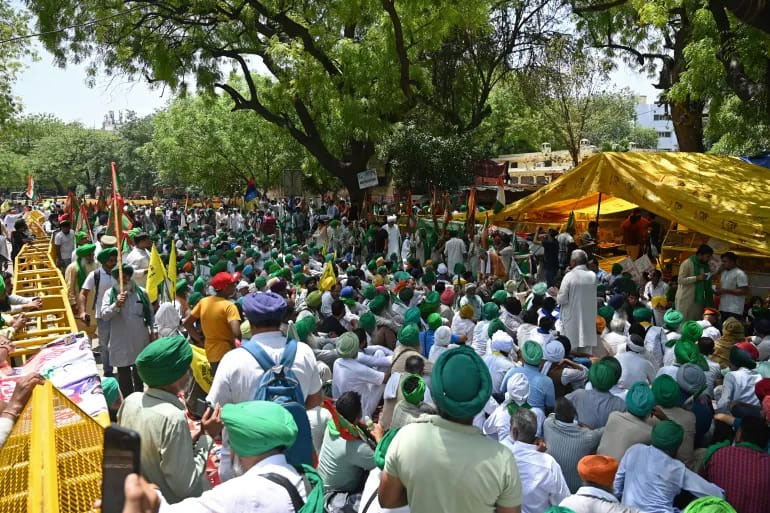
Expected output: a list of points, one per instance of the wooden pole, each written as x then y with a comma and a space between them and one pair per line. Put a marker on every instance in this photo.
598, 208
118, 224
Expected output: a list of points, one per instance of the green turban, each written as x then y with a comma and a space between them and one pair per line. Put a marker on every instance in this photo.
347, 345
429, 278
603, 375
369, 291
257, 427
412, 315
372, 265
377, 304
642, 314
495, 326
431, 303
459, 268
606, 312
85, 249
229, 254
164, 361
460, 384
640, 400
409, 335
381, 451
80, 236
406, 294
616, 269
382, 270
672, 319
499, 297
559, 509
691, 331
741, 358
666, 391
182, 287
367, 322
434, 321
539, 288
128, 271
490, 311
709, 505
260, 282
417, 395
313, 300
401, 276
106, 254
532, 352
667, 435
686, 352
194, 298
219, 267
305, 327
199, 285
111, 390
213, 259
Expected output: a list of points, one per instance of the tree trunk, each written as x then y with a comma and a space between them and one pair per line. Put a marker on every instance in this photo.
753, 12
687, 118
361, 152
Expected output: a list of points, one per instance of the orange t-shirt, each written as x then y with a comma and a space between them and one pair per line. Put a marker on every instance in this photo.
215, 314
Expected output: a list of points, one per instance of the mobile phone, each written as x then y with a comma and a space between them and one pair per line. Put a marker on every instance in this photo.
121, 458
201, 405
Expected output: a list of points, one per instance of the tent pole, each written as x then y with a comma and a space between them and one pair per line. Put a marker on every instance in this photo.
598, 207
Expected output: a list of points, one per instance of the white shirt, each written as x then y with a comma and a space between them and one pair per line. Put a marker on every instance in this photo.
651, 291
370, 488
66, 243
394, 236
577, 299
763, 346
649, 479
139, 259
635, 367
589, 499
739, 386
542, 481
326, 303
238, 376
105, 284
733, 278
616, 341
498, 366
465, 327
454, 250
498, 425
249, 493
350, 375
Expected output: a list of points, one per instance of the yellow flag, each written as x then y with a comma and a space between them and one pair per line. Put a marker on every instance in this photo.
155, 274
328, 279
5, 207
172, 270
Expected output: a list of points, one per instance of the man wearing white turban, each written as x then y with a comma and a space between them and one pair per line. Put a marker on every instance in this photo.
498, 424
394, 237
499, 361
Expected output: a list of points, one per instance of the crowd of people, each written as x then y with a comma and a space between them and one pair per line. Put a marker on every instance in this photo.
356, 366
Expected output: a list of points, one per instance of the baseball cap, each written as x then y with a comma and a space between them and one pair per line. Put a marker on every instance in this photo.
222, 280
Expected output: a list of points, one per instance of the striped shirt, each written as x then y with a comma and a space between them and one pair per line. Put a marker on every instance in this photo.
567, 443
744, 474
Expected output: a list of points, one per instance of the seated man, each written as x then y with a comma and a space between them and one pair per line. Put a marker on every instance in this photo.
541, 390
595, 496
649, 478
594, 406
627, 428
346, 456
743, 469
542, 482
412, 405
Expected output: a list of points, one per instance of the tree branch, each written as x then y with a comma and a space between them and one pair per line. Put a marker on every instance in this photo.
597, 7
403, 58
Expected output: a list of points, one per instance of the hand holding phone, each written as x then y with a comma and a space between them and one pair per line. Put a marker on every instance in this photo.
121, 458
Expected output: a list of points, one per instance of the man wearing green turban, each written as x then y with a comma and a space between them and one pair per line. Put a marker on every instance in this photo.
313, 300
169, 459
594, 406
606, 312
75, 276
666, 391
460, 387
348, 374
627, 428
709, 505
649, 478
411, 407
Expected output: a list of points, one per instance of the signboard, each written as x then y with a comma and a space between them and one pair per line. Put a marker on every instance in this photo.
367, 179
292, 182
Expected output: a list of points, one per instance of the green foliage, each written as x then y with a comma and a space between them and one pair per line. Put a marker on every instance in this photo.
197, 142
645, 138
13, 24
736, 129
420, 161
137, 172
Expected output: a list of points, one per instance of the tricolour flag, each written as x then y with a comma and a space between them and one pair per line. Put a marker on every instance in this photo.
251, 191
156, 274
500, 198
31, 192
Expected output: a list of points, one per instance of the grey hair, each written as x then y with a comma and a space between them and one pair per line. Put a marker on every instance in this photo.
579, 257
617, 325
525, 423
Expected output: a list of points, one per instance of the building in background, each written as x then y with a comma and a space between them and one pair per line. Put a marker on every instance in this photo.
652, 115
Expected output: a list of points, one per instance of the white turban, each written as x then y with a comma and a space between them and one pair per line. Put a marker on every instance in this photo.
553, 353
517, 389
501, 341
442, 268
391, 219
442, 336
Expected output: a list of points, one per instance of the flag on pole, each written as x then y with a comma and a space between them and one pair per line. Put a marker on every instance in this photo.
251, 191
471, 215
82, 224
500, 199
31, 192
156, 274
570, 221
172, 269
328, 272
5, 207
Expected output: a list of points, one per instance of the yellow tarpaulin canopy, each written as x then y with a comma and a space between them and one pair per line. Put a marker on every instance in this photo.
718, 196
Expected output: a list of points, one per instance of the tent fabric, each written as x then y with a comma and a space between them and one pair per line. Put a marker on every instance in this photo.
763, 159
722, 197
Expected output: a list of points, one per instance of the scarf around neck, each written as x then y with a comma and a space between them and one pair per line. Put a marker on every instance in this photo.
704, 294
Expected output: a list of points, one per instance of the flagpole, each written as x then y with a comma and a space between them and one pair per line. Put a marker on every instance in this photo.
118, 224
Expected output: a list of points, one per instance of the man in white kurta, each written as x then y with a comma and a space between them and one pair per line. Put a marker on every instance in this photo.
394, 237
577, 299
455, 252
139, 258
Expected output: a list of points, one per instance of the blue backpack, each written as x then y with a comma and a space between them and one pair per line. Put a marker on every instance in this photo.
279, 384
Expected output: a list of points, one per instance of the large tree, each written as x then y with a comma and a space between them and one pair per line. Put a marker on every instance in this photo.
341, 73
13, 46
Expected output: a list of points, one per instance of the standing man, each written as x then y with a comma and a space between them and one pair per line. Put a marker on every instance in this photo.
577, 298
139, 258
733, 288
394, 237
63, 244
75, 276
694, 292
454, 251
98, 282
220, 320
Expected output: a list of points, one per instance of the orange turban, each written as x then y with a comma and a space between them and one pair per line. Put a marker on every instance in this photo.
597, 468
601, 324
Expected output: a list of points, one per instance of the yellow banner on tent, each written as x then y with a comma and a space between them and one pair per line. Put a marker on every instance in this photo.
156, 274
722, 197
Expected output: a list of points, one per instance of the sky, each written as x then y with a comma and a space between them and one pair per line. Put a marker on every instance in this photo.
45, 88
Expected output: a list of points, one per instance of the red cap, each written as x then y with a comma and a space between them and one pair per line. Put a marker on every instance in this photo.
710, 311
222, 280
63, 218
749, 348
